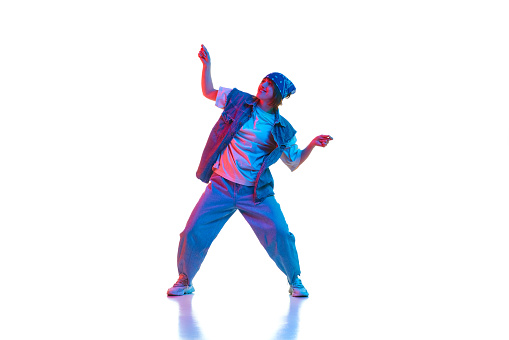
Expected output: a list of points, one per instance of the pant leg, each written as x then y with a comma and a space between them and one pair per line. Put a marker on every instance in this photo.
269, 224
210, 214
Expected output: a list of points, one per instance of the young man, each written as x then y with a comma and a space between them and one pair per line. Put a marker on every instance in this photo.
249, 136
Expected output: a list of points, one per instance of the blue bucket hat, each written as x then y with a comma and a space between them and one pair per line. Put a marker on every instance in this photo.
284, 85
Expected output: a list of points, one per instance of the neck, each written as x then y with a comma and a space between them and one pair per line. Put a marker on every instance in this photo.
265, 107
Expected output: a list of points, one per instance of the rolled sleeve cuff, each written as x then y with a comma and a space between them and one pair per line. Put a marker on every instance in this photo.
222, 94
291, 155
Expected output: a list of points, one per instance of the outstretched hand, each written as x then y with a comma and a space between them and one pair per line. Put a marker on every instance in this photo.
322, 140
204, 56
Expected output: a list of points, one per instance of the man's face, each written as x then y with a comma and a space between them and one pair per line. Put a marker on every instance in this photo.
265, 90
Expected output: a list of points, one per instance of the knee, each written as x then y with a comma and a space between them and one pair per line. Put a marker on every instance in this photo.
192, 228
282, 230
188, 233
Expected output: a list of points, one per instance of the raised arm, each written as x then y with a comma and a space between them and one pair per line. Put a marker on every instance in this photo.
206, 80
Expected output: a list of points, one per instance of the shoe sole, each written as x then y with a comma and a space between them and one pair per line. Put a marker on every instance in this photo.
298, 294
180, 291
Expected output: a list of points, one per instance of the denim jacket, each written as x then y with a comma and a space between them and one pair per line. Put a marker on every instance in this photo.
237, 111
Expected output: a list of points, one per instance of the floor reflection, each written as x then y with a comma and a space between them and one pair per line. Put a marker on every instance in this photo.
189, 327
290, 328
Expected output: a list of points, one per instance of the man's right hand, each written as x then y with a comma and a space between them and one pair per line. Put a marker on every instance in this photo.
204, 56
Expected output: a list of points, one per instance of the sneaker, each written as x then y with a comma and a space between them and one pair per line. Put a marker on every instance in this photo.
181, 287
297, 289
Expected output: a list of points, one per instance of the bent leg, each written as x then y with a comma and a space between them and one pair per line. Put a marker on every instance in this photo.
269, 224
210, 214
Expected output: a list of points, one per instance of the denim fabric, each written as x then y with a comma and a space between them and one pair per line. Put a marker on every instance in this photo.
218, 203
238, 109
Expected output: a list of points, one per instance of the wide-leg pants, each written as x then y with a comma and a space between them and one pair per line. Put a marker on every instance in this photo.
221, 199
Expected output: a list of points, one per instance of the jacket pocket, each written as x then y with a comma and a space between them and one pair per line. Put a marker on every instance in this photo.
226, 118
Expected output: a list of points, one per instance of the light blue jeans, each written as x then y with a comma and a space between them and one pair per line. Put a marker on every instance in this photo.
218, 203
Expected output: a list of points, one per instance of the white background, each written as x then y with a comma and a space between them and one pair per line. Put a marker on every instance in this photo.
402, 221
